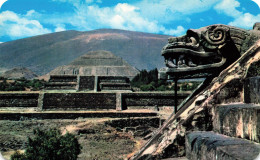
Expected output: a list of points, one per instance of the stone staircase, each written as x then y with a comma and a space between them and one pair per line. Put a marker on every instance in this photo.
114, 83
212, 146
236, 130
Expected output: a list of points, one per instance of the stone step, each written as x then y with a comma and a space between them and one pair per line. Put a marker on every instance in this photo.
209, 145
60, 85
114, 86
238, 120
63, 78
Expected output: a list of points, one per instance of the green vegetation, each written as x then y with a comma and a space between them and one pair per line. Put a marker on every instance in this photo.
50, 145
99, 140
148, 81
21, 84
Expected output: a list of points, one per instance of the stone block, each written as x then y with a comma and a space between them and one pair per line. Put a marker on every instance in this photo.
80, 101
63, 78
209, 145
238, 120
86, 83
150, 99
252, 90
19, 99
119, 101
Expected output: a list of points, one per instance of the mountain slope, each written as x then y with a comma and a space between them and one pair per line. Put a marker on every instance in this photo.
43, 53
19, 72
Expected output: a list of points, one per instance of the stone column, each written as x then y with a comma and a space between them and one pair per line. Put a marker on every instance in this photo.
40, 101
96, 84
119, 106
78, 83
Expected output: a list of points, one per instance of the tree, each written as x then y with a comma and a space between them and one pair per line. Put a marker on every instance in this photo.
50, 145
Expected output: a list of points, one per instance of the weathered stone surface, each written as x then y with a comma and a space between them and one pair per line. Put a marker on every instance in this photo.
136, 99
113, 83
19, 99
252, 90
205, 97
63, 78
206, 51
86, 83
238, 120
79, 101
209, 145
61, 82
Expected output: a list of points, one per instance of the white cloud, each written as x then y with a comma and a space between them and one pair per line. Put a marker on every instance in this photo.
240, 19
18, 26
89, 1
166, 11
87, 15
121, 16
246, 20
176, 32
59, 28
228, 7
30, 13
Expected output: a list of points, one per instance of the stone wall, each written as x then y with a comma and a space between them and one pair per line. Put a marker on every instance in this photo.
86, 83
63, 78
19, 99
88, 101
83, 101
113, 83
150, 99
238, 120
252, 90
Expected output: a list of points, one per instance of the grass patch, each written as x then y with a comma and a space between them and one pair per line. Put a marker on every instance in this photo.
99, 140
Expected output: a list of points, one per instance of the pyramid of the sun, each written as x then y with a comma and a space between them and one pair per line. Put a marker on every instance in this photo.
97, 63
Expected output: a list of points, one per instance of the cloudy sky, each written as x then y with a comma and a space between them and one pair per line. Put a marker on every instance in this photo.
25, 18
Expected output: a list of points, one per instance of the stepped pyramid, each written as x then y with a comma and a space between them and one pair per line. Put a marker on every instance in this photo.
97, 63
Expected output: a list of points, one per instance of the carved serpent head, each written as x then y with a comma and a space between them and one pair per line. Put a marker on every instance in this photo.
206, 51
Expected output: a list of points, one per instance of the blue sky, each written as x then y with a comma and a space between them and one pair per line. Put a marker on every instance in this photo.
26, 18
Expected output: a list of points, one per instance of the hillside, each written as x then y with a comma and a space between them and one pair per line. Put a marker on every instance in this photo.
19, 72
43, 53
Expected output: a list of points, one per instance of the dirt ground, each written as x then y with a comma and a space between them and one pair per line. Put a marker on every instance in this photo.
99, 140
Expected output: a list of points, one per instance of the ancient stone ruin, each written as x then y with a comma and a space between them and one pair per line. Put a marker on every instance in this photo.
88, 83
220, 119
97, 63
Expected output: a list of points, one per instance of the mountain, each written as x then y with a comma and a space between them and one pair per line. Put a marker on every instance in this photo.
97, 63
19, 72
43, 53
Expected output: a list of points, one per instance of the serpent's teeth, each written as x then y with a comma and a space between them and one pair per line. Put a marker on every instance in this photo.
191, 64
174, 61
170, 64
179, 63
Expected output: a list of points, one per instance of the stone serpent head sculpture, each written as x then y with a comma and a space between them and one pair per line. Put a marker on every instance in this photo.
206, 51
